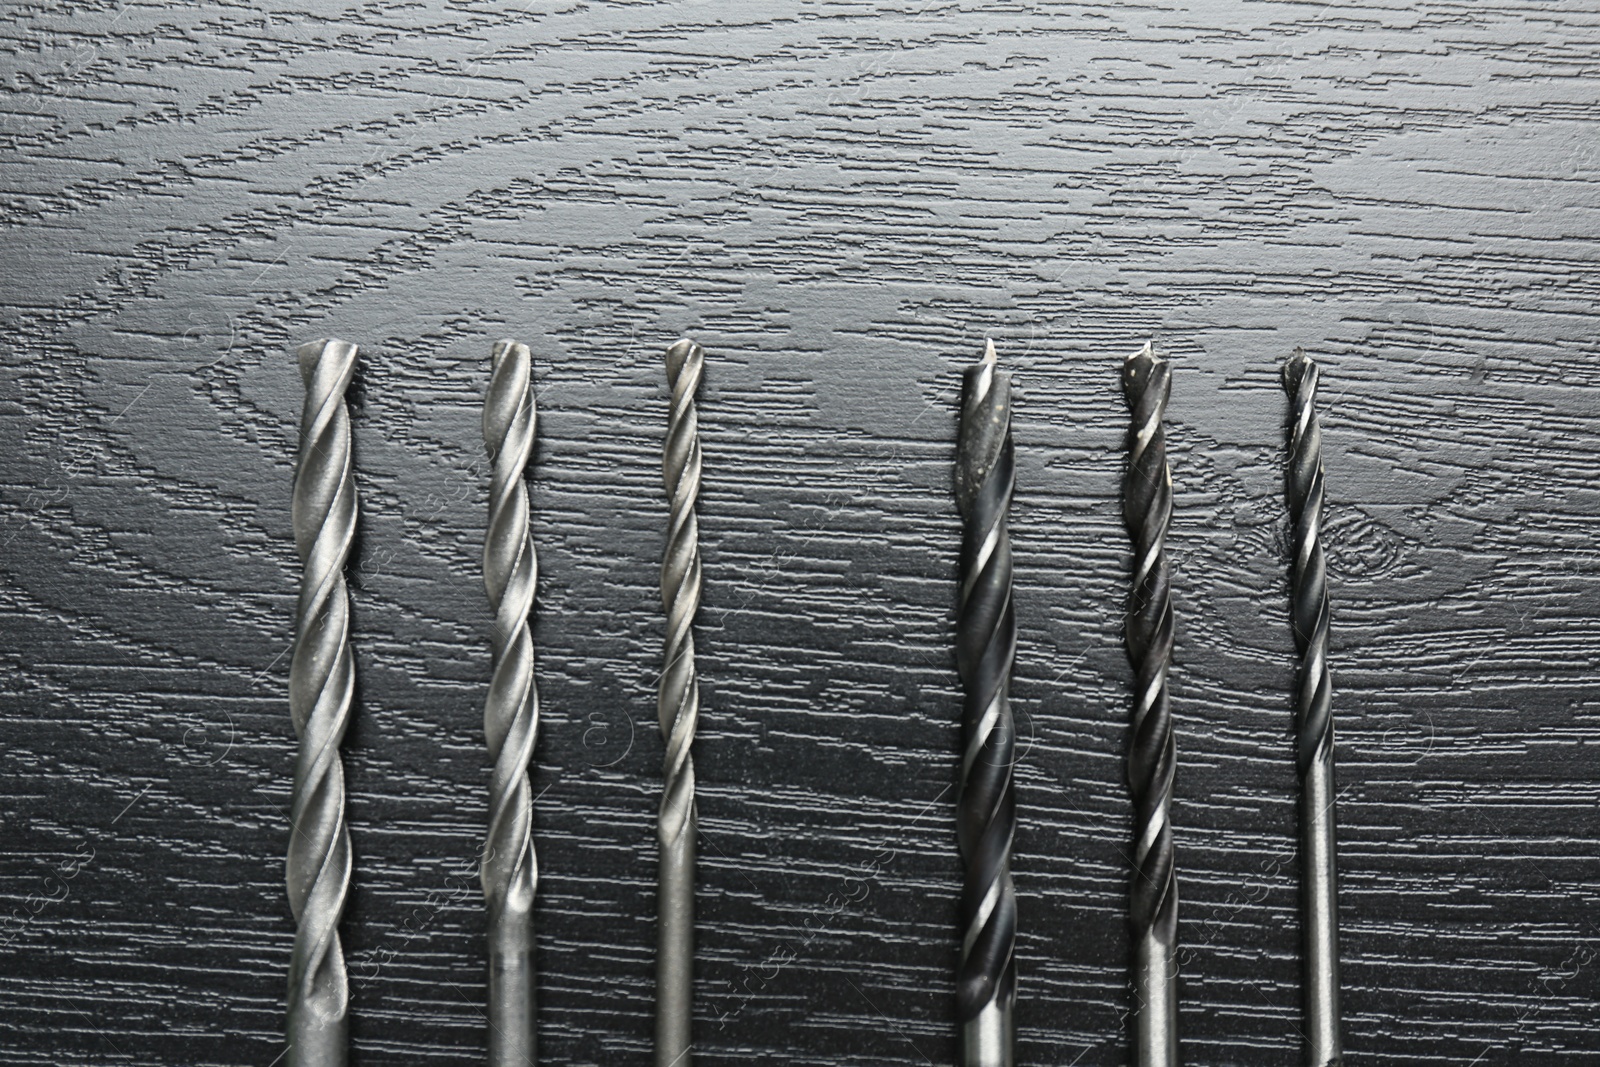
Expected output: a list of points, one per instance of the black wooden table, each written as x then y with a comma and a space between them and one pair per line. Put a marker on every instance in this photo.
841, 201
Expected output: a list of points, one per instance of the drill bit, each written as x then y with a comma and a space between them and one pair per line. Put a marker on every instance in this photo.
321, 684
678, 706
509, 871
1153, 892
986, 643
1314, 706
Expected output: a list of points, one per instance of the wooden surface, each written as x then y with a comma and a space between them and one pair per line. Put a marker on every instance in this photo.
840, 201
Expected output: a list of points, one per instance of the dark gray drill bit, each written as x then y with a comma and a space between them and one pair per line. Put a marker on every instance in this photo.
321, 683
1152, 762
678, 706
1314, 727
986, 643
509, 871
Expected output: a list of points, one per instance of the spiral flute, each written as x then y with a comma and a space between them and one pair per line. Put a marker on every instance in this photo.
509, 871
678, 706
986, 644
321, 684
1314, 725
1153, 893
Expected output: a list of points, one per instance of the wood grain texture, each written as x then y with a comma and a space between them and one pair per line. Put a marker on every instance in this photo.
840, 201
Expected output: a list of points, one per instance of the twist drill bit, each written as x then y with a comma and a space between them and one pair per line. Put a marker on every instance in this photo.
1153, 894
986, 643
321, 683
509, 871
678, 706
1314, 706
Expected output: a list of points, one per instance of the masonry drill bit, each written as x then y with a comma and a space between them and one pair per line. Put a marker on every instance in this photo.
321, 683
986, 643
1314, 706
678, 705
1153, 892
509, 871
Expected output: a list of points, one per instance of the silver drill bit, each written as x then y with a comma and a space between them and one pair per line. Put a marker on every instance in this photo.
509, 871
1314, 706
1153, 893
321, 683
986, 643
678, 706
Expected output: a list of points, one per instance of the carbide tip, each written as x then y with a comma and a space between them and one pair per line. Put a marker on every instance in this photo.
1146, 355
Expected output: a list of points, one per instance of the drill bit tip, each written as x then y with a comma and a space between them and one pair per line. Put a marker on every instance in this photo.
1295, 369
510, 396
312, 353
1146, 351
990, 356
1140, 366
678, 353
